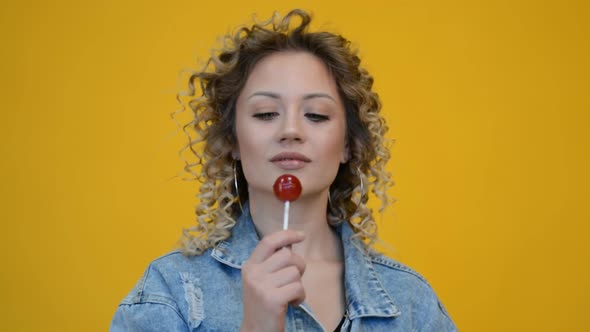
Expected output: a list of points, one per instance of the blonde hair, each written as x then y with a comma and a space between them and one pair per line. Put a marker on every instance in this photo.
211, 132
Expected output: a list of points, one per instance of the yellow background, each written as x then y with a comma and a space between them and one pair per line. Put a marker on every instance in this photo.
487, 101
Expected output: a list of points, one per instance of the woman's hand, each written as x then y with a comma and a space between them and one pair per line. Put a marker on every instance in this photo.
271, 280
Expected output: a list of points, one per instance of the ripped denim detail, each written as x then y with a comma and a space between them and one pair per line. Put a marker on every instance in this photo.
194, 298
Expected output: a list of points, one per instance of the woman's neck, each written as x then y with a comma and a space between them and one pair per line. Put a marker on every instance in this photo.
308, 214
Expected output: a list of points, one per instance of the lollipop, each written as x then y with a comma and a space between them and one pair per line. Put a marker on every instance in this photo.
287, 188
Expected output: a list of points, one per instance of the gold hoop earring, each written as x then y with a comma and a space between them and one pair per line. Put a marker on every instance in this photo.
236, 186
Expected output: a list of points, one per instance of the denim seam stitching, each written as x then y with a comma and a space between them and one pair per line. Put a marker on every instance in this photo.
156, 302
398, 266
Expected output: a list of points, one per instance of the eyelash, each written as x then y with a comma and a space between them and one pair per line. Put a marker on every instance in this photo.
266, 116
314, 117
317, 117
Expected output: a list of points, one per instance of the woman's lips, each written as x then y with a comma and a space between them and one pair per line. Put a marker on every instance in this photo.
290, 164
290, 160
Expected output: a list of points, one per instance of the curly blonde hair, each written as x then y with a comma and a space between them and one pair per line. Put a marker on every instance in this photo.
212, 137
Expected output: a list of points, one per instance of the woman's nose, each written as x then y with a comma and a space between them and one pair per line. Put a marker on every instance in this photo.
291, 127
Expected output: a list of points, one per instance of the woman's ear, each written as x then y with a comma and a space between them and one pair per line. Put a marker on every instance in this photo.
345, 154
235, 153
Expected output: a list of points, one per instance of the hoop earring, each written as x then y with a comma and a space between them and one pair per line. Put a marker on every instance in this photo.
362, 191
362, 184
236, 186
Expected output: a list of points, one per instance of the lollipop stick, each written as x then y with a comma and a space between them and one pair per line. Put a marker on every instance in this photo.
286, 216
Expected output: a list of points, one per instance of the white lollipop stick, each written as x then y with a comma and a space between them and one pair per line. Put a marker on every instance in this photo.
286, 216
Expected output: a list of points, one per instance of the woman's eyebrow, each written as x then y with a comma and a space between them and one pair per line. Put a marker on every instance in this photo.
308, 96
265, 94
318, 95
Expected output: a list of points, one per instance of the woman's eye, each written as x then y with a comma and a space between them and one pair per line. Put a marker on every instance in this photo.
317, 117
266, 116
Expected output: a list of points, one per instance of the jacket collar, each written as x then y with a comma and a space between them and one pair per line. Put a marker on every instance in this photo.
236, 250
365, 294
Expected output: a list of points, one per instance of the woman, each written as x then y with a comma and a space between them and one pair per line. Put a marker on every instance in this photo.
279, 100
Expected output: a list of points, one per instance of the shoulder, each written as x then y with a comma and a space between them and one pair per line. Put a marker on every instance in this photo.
390, 268
154, 279
411, 292
164, 274
168, 293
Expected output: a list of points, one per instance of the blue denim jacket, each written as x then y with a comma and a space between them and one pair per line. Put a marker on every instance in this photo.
204, 293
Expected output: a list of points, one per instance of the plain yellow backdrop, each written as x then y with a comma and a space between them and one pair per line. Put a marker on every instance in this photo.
487, 101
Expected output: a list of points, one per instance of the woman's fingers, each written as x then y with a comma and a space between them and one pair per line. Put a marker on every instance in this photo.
273, 242
293, 292
282, 258
285, 276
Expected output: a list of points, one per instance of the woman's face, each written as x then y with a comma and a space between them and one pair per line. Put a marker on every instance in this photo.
290, 119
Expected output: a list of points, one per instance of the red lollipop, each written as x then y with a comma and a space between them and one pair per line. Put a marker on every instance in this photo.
287, 188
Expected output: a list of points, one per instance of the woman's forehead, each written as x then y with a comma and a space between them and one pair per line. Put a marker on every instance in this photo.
290, 74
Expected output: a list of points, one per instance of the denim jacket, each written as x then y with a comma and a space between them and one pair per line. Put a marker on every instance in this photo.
204, 293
